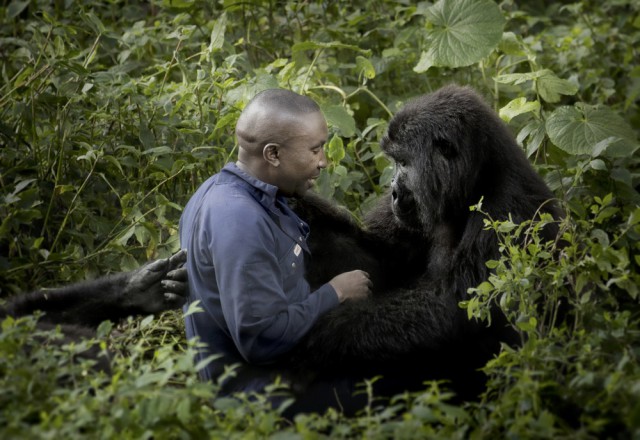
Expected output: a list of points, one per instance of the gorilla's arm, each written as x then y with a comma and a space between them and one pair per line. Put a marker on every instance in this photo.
157, 286
422, 320
338, 244
360, 334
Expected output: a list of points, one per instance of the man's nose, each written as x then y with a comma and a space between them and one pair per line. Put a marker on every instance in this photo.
323, 160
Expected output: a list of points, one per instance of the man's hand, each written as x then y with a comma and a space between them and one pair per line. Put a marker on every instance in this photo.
352, 285
159, 285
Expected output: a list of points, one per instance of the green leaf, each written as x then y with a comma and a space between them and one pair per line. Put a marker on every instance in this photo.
463, 32
364, 65
550, 87
147, 138
104, 329
194, 307
517, 107
184, 411
337, 116
15, 8
93, 22
217, 34
546, 83
579, 129
634, 218
314, 45
178, 4
335, 151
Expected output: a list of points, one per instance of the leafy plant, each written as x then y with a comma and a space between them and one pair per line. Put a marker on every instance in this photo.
113, 112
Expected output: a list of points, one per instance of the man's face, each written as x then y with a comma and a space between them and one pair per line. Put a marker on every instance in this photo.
302, 155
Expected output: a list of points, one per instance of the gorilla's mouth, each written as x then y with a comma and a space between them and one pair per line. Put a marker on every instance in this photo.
405, 211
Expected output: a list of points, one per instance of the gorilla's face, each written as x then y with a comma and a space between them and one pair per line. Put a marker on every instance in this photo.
403, 202
438, 157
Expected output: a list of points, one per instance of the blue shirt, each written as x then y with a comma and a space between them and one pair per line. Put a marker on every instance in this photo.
245, 260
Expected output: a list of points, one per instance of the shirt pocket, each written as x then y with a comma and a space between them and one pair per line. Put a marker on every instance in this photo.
292, 265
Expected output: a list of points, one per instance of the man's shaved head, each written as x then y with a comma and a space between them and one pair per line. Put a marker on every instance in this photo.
281, 136
268, 118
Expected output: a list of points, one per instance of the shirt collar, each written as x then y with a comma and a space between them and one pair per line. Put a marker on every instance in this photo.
267, 194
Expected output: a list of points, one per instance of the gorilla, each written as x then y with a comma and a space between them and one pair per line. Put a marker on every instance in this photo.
79, 308
424, 249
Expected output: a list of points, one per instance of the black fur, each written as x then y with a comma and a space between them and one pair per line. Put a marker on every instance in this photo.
424, 247
79, 308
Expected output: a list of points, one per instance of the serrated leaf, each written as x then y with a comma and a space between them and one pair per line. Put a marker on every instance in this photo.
183, 411
510, 44
517, 107
463, 32
550, 87
146, 322
634, 218
546, 83
337, 116
217, 34
578, 129
194, 307
104, 329
146, 137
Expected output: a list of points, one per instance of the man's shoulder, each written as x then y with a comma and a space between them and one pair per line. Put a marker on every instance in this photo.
230, 196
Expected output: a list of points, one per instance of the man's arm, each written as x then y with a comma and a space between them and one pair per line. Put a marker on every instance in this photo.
266, 302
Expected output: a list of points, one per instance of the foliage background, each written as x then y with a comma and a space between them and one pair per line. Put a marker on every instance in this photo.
112, 112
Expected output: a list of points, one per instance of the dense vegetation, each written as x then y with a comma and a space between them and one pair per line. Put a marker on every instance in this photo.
112, 113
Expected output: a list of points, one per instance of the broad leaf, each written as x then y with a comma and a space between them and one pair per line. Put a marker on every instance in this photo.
546, 83
337, 116
579, 129
550, 87
517, 107
463, 32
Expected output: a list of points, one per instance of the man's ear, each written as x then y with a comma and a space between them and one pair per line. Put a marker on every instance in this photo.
271, 153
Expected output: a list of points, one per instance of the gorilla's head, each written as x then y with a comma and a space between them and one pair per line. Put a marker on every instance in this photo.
441, 144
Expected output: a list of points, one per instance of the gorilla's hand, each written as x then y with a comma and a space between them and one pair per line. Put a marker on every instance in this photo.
159, 285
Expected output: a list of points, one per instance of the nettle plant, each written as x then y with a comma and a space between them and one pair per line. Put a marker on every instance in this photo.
574, 303
113, 112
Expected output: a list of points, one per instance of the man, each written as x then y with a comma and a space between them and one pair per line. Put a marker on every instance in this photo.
246, 246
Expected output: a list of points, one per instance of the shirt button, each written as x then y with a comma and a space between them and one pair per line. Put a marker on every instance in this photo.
299, 238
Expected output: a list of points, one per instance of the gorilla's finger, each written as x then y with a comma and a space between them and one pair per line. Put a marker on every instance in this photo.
157, 265
146, 276
174, 299
179, 274
174, 287
178, 259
